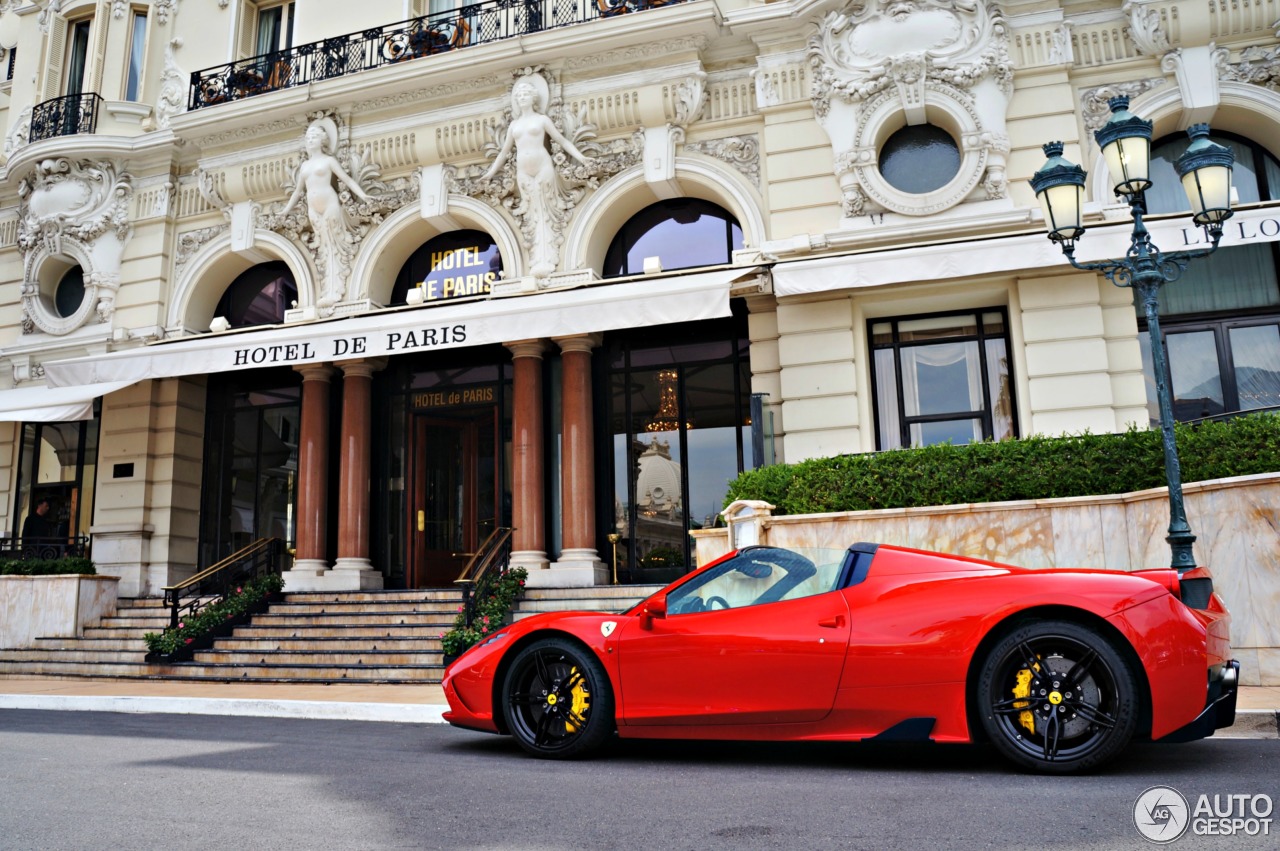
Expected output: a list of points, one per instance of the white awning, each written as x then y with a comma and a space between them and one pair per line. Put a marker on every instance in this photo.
604, 307
1007, 254
53, 404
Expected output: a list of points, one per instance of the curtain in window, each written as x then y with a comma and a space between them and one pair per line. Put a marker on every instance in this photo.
1230, 279
941, 379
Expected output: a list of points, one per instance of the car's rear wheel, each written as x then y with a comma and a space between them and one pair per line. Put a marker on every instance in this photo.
557, 700
1057, 697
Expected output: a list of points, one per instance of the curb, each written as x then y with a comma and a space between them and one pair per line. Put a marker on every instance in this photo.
1253, 724
403, 713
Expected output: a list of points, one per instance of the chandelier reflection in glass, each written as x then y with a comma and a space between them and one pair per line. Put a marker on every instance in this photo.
668, 416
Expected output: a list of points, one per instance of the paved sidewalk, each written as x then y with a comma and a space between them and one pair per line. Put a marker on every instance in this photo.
1257, 716
416, 704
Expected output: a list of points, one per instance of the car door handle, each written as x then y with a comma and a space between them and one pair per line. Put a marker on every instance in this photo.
835, 622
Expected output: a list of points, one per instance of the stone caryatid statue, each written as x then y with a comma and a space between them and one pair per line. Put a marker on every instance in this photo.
335, 235
543, 202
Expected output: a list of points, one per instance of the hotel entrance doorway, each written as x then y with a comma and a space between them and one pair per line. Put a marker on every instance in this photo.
454, 501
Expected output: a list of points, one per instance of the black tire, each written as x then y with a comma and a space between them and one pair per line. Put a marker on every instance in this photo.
557, 700
1056, 697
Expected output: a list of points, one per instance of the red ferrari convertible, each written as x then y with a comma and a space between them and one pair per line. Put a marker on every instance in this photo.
1058, 669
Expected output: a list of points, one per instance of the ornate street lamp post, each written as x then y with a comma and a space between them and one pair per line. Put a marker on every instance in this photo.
1205, 171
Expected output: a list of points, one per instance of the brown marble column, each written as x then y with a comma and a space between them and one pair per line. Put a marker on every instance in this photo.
353, 565
528, 548
313, 471
579, 563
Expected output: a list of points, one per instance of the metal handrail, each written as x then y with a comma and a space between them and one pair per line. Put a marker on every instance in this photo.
213, 584
376, 47
494, 553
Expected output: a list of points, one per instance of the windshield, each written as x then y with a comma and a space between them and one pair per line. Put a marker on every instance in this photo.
759, 575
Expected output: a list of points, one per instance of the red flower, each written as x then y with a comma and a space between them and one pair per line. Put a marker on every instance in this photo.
189, 640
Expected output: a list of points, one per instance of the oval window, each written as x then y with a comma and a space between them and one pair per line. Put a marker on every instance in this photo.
70, 293
919, 159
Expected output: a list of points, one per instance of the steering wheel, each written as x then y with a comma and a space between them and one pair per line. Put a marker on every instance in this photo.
713, 600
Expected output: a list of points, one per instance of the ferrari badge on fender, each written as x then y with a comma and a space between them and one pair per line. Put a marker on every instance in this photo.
607, 628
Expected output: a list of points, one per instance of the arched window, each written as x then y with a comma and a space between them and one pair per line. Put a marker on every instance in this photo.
259, 296
683, 232
1222, 334
453, 265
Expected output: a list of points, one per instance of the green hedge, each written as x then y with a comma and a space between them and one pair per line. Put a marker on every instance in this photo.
1031, 468
46, 567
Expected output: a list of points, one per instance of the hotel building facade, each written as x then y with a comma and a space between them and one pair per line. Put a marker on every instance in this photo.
379, 278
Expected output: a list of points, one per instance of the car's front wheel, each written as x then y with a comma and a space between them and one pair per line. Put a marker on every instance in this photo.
557, 700
1057, 697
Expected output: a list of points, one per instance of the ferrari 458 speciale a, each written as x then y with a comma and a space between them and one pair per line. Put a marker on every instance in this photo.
1058, 669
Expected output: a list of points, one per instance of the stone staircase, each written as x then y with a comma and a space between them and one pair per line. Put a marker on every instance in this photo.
349, 637
602, 598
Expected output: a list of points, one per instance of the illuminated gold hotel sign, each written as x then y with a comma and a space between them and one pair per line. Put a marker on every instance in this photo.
463, 271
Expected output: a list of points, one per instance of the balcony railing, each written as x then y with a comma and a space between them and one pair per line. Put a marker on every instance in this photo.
479, 23
65, 116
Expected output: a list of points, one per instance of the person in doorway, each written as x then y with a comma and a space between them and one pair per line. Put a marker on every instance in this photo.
38, 523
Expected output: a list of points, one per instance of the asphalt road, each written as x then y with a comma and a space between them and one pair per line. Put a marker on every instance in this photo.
113, 781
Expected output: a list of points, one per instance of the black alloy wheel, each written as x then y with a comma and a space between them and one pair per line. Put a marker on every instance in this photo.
1057, 697
557, 700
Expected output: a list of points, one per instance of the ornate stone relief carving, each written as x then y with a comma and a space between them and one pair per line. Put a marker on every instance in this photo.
19, 134
72, 213
53, 7
1093, 101
337, 217
545, 160
690, 99
1145, 28
880, 64
1257, 65
173, 86
165, 9
741, 152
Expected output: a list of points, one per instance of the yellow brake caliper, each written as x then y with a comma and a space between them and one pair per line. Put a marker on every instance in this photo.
581, 703
1023, 689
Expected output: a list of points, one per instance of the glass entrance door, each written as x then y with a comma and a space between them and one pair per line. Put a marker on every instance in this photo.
454, 503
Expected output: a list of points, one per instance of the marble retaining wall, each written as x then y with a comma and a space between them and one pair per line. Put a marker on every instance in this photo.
34, 607
1236, 522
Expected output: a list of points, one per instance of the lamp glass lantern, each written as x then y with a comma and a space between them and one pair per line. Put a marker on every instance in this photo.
1205, 171
1125, 141
1059, 187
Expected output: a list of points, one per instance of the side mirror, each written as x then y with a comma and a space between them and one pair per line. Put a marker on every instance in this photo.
655, 608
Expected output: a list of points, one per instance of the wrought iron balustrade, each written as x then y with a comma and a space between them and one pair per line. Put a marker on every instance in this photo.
65, 116
466, 26
44, 547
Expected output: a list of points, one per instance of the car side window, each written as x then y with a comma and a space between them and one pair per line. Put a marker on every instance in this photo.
757, 576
